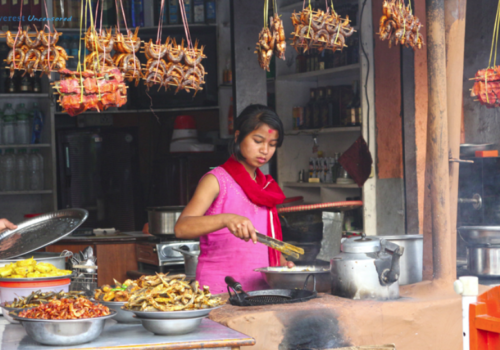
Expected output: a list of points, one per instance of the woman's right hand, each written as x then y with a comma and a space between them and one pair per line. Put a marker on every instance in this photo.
6, 224
241, 227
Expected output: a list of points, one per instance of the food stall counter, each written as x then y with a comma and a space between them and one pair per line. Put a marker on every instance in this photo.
210, 335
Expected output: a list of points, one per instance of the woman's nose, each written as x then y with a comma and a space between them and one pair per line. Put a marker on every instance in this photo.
264, 149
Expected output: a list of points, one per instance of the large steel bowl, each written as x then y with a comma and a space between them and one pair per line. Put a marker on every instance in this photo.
122, 316
171, 326
6, 312
290, 278
172, 315
63, 332
480, 235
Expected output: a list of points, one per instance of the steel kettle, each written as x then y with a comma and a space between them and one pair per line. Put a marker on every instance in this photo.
366, 268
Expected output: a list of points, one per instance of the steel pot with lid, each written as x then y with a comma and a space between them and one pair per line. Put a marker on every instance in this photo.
366, 268
161, 220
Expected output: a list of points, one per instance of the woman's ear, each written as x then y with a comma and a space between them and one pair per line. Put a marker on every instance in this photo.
236, 134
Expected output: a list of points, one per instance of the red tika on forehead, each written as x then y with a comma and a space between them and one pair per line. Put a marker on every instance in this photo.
271, 131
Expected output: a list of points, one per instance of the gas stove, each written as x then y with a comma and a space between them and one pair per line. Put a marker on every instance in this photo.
158, 254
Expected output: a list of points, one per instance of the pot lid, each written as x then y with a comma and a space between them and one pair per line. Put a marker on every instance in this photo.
40, 231
361, 245
332, 206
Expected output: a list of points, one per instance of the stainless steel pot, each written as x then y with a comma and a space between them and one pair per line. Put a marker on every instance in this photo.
283, 277
162, 220
56, 259
484, 260
190, 258
411, 262
365, 269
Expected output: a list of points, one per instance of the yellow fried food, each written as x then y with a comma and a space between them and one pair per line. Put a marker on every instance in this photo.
42, 269
26, 262
29, 268
5, 271
24, 270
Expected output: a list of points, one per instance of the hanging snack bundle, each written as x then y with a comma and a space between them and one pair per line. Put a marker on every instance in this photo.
100, 46
399, 25
320, 30
125, 57
271, 39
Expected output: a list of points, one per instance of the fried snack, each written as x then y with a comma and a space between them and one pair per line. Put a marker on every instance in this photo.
66, 309
487, 87
37, 298
399, 25
170, 293
29, 268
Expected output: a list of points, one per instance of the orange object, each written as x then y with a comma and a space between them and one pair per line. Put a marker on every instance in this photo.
145, 229
484, 321
486, 154
36, 284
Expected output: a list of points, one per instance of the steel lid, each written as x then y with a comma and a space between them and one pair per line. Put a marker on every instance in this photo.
360, 245
40, 231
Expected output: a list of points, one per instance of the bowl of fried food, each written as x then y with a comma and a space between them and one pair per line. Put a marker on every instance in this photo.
34, 300
115, 297
65, 321
170, 299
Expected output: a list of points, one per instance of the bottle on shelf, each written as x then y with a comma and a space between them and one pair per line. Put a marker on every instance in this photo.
323, 108
35, 171
158, 12
25, 85
21, 170
22, 129
353, 109
308, 111
332, 100
188, 8
36, 84
108, 13
8, 177
9, 125
210, 11
317, 106
199, 11
37, 123
10, 84
137, 13
230, 118
321, 60
173, 12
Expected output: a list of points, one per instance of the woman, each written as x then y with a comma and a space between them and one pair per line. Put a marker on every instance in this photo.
234, 201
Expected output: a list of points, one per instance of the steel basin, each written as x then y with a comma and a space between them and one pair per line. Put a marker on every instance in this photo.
286, 278
411, 262
161, 220
64, 332
7, 310
484, 261
171, 326
122, 316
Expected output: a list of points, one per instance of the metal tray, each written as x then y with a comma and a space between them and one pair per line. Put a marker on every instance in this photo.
15, 315
36, 279
39, 232
163, 315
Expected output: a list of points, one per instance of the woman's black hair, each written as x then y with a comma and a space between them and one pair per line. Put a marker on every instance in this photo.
251, 118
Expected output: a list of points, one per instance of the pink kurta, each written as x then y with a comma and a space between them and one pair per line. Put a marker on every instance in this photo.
223, 254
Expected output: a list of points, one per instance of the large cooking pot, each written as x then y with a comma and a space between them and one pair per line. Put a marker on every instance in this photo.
411, 262
483, 249
161, 220
365, 269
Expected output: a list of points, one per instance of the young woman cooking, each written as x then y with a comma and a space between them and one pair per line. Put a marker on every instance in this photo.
234, 201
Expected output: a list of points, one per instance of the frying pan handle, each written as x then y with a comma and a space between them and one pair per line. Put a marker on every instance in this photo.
233, 284
314, 282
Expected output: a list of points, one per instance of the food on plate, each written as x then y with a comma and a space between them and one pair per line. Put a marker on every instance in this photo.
66, 309
37, 298
30, 268
170, 293
119, 292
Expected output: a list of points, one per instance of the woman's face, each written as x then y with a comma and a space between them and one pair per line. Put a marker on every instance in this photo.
259, 146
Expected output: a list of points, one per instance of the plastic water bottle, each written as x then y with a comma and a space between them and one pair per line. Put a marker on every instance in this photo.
21, 170
137, 13
9, 171
9, 123
35, 171
22, 125
37, 124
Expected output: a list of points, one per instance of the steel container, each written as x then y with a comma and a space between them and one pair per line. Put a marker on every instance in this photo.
190, 258
469, 149
122, 316
484, 261
6, 310
291, 278
171, 326
63, 332
161, 220
172, 315
56, 259
411, 262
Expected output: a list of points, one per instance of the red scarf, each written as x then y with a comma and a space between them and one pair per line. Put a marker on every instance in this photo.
264, 191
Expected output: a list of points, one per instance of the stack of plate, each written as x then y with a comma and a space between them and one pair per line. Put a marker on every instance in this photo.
171, 322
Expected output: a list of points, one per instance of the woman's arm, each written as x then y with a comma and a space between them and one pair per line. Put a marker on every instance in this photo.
193, 223
4, 223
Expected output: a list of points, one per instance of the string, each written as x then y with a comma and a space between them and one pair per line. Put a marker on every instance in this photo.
266, 9
494, 45
158, 37
78, 66
186, 26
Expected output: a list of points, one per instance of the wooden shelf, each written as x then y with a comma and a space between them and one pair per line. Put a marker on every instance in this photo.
349, 70
192, 25
29, 95
155, 110
319, 185
9, 193
346, 129
36, 145
297, 5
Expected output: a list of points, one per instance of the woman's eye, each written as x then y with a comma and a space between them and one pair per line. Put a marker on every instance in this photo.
257, 141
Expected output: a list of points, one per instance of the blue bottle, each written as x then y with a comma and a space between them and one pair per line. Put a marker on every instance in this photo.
173, 12
137, 13
211, 10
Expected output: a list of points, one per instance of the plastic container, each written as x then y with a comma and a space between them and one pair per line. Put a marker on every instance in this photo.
35, 177
22, 170
22, 130
11, 290
8, 177
9, 123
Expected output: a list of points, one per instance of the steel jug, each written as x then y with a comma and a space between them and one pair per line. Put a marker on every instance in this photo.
366, 268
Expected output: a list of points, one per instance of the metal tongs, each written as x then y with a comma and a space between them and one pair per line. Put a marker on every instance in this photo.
285, 248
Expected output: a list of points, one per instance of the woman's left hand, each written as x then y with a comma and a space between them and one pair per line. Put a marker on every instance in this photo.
284, 262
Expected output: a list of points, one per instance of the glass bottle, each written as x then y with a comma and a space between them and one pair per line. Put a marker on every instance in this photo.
188, 7
210, 11
321, 60
9, 123
317, 108
353, 109
25, 85
332, 99
22, 126
9, 171
309, 110
173, 12
137, 13
199, 11
35, 171
58, 9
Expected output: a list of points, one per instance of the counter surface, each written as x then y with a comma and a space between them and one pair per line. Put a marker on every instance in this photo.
210, 335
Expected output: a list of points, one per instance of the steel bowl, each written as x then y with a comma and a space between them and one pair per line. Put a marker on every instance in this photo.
290, 278
6, 312
171, 326
469, 149
63, 332
480, 235
172, 315
122, 316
